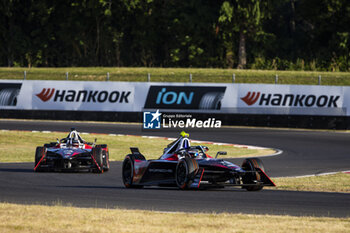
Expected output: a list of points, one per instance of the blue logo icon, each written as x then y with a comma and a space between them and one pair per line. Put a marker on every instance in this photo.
151, 120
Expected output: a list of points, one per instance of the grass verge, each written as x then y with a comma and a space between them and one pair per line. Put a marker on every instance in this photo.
339, 182
177, 75
37, 218
19, 146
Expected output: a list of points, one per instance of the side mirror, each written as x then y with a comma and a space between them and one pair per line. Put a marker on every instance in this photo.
221, 153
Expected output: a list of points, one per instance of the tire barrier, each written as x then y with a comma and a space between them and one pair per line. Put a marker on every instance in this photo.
8, 96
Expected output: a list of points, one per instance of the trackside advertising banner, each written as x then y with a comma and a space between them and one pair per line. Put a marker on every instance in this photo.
70, 95
287, 99
176, 97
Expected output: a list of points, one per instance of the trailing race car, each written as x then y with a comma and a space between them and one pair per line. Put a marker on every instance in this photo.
72, 153
187, 166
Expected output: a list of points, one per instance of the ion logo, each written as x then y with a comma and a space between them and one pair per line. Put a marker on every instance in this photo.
172, 97
184, 97
251, 97
46, 94
151, 120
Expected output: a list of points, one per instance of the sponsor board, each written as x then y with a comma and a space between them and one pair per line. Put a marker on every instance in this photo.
76, 95
185, 97
83, 96
286, 99
175, 97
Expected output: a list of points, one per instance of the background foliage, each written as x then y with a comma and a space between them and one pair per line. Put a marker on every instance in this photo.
258, 34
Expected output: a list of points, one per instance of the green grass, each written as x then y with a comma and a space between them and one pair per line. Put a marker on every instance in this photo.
339, 182
40, 218
19, 146
177, 75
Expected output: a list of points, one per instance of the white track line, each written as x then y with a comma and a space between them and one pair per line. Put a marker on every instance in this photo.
313, 175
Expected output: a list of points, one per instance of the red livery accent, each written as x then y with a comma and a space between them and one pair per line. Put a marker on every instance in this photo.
46, 94
251, 98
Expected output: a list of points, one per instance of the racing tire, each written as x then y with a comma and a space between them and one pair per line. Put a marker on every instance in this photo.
97, 154
251, 165
40, 154
186, 170
105, 156
106, 161
128, 170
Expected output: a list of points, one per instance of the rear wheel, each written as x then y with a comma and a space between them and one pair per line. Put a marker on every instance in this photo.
252, 175
128, 170
40, 154
186, 169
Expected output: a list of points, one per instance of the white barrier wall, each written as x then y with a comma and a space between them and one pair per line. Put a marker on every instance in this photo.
182, 97
287, 99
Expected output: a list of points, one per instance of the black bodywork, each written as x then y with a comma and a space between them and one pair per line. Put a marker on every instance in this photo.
72, 153
188, 166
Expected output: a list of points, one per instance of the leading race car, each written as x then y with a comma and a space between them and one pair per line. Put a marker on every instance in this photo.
72, 153
187, 166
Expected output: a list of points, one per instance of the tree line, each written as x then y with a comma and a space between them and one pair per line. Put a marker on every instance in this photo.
256, 34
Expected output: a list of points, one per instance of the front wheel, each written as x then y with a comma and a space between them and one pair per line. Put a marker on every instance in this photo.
186, 170
252, 177
128, 170
40, 154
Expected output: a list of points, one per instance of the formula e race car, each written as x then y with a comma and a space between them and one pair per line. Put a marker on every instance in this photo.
189, 167
72, 153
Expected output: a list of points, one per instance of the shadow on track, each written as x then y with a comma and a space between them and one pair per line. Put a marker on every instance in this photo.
19, 170
90, 187
160, 189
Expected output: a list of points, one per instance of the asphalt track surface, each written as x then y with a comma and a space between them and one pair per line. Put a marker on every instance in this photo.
304, 153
